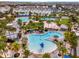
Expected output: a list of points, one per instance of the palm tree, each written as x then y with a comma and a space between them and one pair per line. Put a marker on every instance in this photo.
2, 43
3, 38
26, 53
24, 43
72, 39
3, 25
74, 43
15, 46
63, 51
73, 18
61, 48
9, 18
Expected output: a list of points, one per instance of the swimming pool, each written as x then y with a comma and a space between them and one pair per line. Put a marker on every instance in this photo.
23, 19
35, 40
48, 18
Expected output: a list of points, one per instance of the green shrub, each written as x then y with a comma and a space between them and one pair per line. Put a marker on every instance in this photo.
46, 55
26, 53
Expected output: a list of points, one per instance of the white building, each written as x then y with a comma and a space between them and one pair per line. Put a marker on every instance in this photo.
33, 9
51, 25
63, 26
3, 9
11, 35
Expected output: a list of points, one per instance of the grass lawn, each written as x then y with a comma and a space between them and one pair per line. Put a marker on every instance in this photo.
62, 21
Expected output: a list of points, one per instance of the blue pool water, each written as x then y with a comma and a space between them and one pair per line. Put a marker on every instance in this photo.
24, 19
48, 18
36, 39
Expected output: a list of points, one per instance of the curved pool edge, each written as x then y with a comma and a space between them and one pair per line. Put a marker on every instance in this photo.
52, 50
31, 50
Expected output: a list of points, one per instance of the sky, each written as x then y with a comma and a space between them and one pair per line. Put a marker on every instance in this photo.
42, 0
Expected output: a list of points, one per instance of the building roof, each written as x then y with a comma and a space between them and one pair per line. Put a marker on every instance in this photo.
51, 25
63, 26
11, 35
